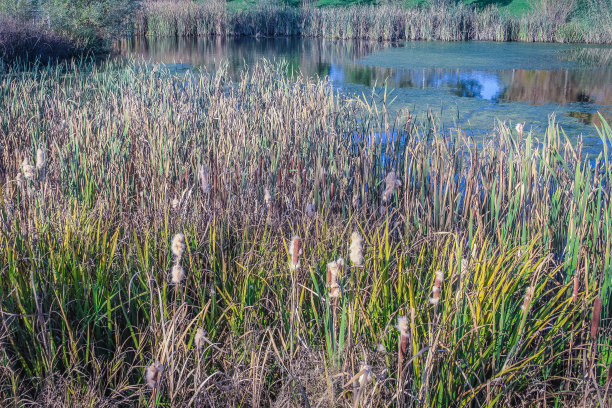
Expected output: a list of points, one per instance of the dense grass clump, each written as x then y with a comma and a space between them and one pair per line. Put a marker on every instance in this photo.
444, 20
198, 240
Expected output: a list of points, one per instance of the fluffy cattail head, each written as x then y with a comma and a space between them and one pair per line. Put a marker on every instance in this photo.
381, 348
267, 197
519, 128
41, 159
391, 183
464, 267
175, 203
402, 325
356, 249
311, 210
437, 287
200, 338
178, 274
295, 250
154, 374
204, 183
29, 171
528, 297
366, 377
333, 269
178, 245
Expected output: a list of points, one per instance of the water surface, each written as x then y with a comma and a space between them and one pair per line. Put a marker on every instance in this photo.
468, 85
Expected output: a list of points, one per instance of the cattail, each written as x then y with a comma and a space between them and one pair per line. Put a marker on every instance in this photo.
391, 183
267, 197
200, 338
595, 318
41, 163
528, 297
355, 201
576, 287
464, 268
311, 210
437, 287
519, 129
366, 377
204, 183
178, 246
175, 204
20, 180
154, 374
29, 171
356, 250
402, 326
295, 250
178, 274
333, 269
381, 348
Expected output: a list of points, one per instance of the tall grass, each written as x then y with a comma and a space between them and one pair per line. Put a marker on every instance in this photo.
444, 21
515, 235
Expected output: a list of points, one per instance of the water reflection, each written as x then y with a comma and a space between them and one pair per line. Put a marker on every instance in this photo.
573, 81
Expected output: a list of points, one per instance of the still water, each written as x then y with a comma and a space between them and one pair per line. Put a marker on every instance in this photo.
468, 85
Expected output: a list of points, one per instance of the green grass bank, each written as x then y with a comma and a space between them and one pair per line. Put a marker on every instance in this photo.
471, 275
442, 20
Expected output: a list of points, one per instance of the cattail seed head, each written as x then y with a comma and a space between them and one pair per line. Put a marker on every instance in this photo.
519, 128
595, 317
391, 183
41, 159
29, 171
178, 274
178, 246
356, 249
528, 297
437, 287
464, 268
402, 325
200, 338
576, 288
267, 197
295, 250
333, 270
311, 210
154, 374
366, 377
204, 183
381, 348
175, 203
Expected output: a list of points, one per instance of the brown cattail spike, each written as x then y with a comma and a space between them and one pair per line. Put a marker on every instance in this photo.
295, 250
402, 326
595, 318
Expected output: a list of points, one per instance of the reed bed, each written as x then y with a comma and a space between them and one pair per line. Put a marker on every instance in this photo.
445, 22
197, 240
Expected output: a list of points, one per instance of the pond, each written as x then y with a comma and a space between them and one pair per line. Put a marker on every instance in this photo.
467, 85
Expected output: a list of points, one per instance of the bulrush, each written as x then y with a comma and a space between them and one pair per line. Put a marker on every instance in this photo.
267, 197
464, 268
41, 163
204, 183
519, 129
200, 339
333, 269
402, 326
437, 287
29, 171
154, 374
356, 249
366, 377
295, 250
175, 203
528, 298
311, 210
595, 318
178, 246
178, 274
391, 183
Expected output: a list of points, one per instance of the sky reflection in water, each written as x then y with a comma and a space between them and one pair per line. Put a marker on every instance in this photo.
467, 84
